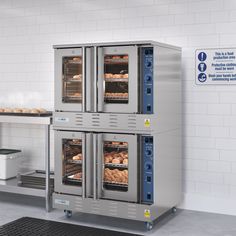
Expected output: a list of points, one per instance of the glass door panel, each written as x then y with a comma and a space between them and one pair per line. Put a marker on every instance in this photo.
119, 158
116, 76
72, 79
72, 162
118, 79
69, 81
116, 171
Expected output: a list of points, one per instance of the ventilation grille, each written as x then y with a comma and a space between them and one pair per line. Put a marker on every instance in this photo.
132, 211
132, 122
95, 120
113, 121
79, 120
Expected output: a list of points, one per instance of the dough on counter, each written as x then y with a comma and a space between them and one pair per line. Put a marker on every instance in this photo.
42, 110
8, 110
17, 110
34, 111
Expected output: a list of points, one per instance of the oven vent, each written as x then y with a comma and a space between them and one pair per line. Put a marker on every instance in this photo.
95, 120
113, 209
79, 120
113, 121
79, 205
95, 207
132, 212
132, 122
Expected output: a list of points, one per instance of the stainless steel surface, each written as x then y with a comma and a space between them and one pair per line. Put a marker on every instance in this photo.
94, 166
59, 162
83, 165
47, 168
132, 103
89, 79
99, 166
95, 78
83, 80
26, 120
10, 186
131, 193
120, 123
165, 125
122, 43
59, 86
110, 208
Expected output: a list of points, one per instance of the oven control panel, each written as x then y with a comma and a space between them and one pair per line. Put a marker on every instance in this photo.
147, 56
147, 142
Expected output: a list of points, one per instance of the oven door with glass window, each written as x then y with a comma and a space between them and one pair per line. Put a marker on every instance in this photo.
118, 79
71, 154
117, 174
69, 79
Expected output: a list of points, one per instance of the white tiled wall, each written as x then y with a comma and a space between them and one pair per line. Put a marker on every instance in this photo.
29, 28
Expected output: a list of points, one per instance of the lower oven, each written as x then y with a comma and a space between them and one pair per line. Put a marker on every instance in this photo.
104, 166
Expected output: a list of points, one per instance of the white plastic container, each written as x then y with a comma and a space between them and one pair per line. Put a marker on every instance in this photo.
9, 163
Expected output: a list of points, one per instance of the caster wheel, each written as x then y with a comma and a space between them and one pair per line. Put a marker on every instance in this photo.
174, 210
68, 214
149, 225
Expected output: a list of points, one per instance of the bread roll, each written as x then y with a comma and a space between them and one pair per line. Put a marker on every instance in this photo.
125, 161
116, 161
42, 110
34, 111
8, 110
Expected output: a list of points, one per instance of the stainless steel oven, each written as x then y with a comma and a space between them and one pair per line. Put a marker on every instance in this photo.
99, 78
99, 165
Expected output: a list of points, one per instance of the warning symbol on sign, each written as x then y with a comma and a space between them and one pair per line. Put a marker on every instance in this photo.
147, 213
147, 123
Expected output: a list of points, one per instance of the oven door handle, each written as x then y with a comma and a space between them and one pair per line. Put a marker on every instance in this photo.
94, 166
100, 165
95, 77
101, 81
83, 79
83, 165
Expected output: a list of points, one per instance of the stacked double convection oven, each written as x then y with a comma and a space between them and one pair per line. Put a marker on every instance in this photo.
117, 125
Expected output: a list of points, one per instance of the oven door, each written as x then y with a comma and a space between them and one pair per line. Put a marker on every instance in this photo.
118, 79
69, 79
71, 158
117, 167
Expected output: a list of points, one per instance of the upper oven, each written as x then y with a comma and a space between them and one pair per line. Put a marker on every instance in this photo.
115, 79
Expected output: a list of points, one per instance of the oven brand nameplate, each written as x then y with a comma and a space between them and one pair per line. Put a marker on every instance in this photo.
62, 119
62, 202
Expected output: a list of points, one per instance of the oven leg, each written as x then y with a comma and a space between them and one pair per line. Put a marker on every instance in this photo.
68, 213
47, 168
149, 225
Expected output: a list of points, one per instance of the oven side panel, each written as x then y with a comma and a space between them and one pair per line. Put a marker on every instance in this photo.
168, 144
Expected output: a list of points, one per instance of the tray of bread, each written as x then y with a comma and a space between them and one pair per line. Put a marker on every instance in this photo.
116, 96
116, 159
25, 112
75, 177
115, 176
117, 59
75, 60
116, 144
75, 78
77, 159
76, 142
109, 77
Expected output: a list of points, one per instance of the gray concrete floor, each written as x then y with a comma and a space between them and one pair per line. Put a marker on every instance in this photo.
183, 223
